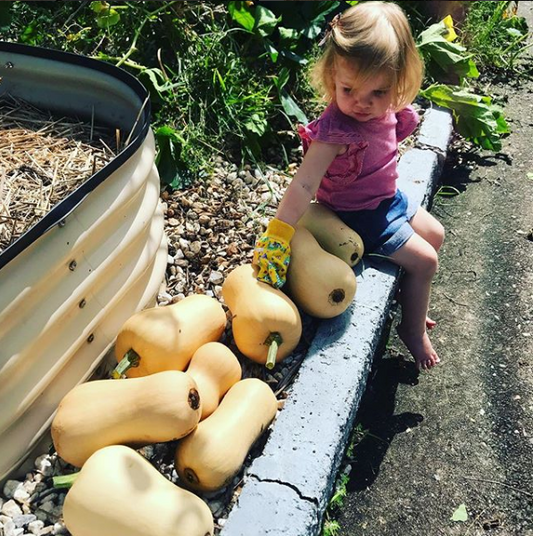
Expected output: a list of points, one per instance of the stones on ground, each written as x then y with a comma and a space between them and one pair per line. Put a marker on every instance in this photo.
212, 226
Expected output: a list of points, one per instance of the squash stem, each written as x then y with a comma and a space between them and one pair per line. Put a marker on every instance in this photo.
130, 360
273, 341
64, 481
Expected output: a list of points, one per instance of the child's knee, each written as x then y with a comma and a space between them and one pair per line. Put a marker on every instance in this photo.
428, 263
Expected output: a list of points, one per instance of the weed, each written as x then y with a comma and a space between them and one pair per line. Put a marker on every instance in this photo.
495, 34
331, 526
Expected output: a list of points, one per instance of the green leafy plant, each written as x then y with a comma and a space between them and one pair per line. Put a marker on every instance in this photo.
331, 526
476, 117
445, 59
495, 34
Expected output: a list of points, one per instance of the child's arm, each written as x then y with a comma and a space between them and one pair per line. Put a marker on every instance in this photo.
272, 251
305, 183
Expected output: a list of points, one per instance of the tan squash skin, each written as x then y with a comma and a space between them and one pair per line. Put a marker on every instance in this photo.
333, 234
208, 458
154, 409
167, 337
258, 311
319, 283
119, 493
214, 368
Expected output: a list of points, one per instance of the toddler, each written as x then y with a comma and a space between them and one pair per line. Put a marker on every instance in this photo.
370, 72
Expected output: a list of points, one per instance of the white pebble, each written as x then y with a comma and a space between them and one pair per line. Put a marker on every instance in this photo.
164, 298
216, 278
11, 509
30, 485
59, 528
35, 527
22, 520
10, 530
21, 495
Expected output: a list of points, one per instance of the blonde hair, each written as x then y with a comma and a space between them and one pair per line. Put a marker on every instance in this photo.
372, 37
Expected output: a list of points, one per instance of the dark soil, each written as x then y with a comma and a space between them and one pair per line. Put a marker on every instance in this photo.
462, 434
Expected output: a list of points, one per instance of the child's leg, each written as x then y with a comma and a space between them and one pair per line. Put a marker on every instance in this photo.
419, 260
428, 227
432, 231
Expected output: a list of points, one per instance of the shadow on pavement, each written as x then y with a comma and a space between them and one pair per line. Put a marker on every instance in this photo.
376, 421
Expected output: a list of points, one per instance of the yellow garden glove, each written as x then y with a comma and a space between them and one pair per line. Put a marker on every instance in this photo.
272, 253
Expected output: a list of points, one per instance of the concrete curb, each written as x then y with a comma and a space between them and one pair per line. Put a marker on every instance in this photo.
288, 487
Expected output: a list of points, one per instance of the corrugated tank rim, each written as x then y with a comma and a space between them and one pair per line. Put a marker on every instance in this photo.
140, 120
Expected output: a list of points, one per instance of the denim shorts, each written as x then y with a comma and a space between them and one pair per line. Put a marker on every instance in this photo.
386, 228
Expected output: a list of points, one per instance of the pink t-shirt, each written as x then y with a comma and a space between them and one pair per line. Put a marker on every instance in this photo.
366, 173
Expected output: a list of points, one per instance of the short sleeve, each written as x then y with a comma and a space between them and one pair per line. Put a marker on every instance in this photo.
408, 120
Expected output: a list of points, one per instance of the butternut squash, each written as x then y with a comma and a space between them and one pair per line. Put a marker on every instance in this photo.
157, 408
266, 323
214, 368
319, 283
165, 338
208, 458
333, 234
119, 493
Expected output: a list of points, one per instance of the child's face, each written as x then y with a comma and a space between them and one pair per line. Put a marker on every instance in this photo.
364, 101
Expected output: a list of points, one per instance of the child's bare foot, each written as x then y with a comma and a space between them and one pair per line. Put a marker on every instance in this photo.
430, 323
420, 347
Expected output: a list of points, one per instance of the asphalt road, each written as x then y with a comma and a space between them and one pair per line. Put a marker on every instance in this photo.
460, 438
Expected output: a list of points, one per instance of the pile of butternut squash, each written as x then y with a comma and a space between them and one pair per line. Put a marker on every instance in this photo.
176, 382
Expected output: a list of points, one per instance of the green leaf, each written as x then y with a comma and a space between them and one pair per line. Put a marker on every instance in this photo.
265, 21
256, 125
435, 32
529, 176
271, 49
157, 80
513, 32
242, 14
476, 118
107, 18
291, 108
287, 34
172, 170
294, 57
460, 514
281, 80
98, 7
29, 35
449, 57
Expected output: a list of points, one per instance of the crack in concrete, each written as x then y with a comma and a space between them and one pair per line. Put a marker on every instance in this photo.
441, 155
312, 500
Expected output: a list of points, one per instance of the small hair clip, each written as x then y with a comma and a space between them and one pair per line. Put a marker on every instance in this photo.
331, 26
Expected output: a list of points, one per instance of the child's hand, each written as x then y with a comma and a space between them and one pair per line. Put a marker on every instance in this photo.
272, 253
